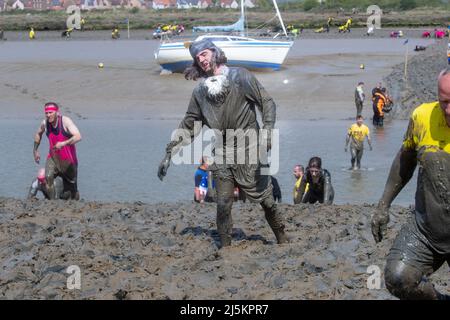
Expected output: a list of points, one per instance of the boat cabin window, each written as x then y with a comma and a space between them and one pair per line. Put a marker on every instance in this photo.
238, 39
218, 39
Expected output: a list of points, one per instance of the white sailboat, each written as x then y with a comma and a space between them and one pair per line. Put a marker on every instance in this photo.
239, 50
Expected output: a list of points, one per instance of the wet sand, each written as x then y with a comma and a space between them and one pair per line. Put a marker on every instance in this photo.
321, 74
169, 251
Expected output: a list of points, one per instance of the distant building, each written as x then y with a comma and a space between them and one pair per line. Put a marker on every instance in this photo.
233, 4
18, 5
187, 4
41, 4
164, 4
236, 4
56, 5
202, 4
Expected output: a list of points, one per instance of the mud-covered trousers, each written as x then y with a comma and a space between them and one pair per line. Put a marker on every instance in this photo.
410, 260
68, 172
225, 184
359, 107
356, 156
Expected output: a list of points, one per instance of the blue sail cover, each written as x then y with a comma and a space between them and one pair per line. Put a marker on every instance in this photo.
238, 26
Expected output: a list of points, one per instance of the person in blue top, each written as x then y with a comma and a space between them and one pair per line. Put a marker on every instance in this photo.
201, 177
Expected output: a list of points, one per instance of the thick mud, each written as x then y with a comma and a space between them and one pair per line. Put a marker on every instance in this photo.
170, 251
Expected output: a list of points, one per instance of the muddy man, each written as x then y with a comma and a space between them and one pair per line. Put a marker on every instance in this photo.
226, 100
423, 244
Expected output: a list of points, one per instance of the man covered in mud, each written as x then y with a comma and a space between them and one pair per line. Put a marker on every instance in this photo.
62, 161
423, 244
299, 171
359, 98
356, 135
226, 100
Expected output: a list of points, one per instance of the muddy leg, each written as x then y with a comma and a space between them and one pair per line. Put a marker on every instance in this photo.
359, 154
50, 173
225, 192
410, 260
353, 153
274, 219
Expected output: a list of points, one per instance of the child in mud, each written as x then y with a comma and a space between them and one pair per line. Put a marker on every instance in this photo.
423, 244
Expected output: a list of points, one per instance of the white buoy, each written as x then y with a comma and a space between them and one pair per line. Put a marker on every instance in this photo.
285, 81
100, 65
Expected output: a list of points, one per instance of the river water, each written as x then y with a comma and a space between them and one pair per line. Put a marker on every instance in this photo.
119, 160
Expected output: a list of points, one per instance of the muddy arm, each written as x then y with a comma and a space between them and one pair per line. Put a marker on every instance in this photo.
187, 130
257, 94
402, 169
328, 189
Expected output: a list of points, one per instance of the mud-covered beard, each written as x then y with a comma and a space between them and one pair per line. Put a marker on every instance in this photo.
218, 88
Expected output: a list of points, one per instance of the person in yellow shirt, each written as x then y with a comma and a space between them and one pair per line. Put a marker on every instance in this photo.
329, 22
299, 172
356, 135
115, 34
348, 24
32, 34
423, 243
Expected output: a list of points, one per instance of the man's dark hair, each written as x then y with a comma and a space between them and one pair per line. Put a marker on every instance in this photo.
300, 167
195, 71
359, 117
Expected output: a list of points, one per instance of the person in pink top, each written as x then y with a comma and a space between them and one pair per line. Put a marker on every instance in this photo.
62, 160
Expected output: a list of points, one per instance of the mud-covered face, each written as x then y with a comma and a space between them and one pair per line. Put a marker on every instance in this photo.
298, 172
204, 59
50, 116
444, 96
315, 174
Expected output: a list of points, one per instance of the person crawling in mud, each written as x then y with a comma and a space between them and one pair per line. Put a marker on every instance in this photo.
226, 100
318, 181
40, 185
62, 161
423, 243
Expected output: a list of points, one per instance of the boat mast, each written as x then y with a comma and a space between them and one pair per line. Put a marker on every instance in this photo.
243, 16
279, 17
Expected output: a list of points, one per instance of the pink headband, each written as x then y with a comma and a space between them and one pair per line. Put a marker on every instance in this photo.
50, 108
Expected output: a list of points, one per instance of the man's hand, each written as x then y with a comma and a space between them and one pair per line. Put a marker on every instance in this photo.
163, 166
37, 156
379, 222
59, 145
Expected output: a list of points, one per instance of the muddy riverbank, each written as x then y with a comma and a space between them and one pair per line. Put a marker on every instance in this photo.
169, 251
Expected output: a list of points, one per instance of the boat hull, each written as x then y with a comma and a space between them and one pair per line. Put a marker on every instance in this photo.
175, 57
